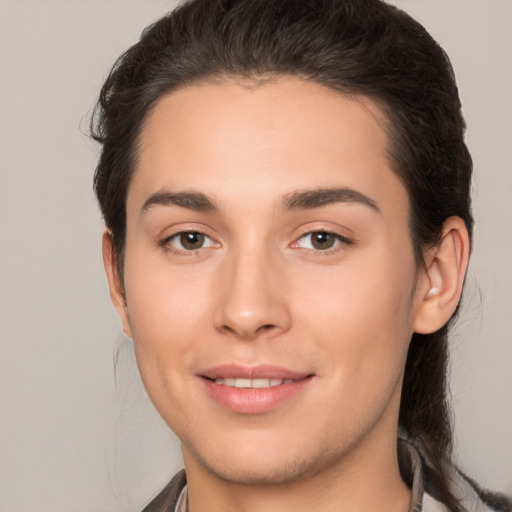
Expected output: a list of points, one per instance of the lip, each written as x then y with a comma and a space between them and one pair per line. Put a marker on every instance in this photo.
253, 400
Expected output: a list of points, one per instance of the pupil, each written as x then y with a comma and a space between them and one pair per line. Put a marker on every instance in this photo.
322, 240
192, 241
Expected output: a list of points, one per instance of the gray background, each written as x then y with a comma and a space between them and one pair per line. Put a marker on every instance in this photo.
77, 436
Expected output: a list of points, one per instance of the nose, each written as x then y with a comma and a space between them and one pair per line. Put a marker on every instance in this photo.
252, 297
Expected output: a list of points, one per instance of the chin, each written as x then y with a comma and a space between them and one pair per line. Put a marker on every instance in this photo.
255, 464
274, 471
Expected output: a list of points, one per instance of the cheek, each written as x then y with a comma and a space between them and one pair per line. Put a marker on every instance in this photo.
168, 316
161, 298
363, 313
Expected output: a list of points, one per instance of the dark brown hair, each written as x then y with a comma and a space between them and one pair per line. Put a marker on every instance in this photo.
363, 47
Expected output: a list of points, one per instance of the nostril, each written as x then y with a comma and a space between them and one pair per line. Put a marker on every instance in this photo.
228, 328
265, 327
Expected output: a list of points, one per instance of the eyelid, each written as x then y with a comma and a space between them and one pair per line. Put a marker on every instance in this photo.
341, 240
165, 243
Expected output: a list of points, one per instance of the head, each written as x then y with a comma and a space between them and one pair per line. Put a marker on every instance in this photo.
362, 52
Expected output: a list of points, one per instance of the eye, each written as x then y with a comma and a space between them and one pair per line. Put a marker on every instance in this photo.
189, 241
320, 240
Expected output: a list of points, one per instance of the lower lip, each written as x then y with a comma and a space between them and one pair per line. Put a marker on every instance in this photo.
254, 400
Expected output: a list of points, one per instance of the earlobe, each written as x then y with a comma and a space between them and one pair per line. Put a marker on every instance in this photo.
115, 283
440, 290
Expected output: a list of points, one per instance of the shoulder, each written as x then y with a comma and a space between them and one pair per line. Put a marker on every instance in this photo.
427, 495
476, 498
168, 498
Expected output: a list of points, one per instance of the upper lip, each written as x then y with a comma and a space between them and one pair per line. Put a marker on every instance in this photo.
252, 372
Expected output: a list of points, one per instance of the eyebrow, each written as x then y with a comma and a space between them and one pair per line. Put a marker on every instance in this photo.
310, 199
302, 200
190, 200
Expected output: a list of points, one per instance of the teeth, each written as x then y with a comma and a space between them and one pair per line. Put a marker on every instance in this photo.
252, 383
243, 383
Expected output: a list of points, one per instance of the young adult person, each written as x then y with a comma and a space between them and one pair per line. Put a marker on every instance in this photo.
285, 187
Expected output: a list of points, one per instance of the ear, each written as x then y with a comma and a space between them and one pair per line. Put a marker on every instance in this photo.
115, 283
440, 286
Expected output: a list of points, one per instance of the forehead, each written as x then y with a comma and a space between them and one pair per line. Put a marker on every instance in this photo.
263, 140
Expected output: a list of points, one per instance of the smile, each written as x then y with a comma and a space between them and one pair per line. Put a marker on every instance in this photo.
253, 390
252, 383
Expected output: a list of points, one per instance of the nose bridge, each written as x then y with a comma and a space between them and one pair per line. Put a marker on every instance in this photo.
252, 301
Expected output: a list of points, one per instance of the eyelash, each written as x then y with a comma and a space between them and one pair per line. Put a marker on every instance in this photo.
340, 242
166, 243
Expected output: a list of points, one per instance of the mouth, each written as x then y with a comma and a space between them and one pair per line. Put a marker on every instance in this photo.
252, 383
253, 390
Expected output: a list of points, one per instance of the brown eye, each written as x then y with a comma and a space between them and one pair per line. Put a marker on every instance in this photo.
188, 241
322, 240
191, 240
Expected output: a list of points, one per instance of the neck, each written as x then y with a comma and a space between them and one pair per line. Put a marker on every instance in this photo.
367, 479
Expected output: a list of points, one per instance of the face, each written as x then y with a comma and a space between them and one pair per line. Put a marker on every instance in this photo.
269, 277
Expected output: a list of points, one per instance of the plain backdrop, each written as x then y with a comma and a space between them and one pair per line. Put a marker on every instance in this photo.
77, 433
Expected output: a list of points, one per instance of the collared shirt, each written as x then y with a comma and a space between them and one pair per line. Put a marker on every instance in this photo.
429, 503
182, 505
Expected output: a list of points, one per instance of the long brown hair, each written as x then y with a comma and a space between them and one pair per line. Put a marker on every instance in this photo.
364, 47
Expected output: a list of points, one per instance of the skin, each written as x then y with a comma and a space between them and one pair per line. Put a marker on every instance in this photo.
258, 291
